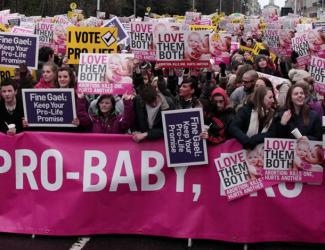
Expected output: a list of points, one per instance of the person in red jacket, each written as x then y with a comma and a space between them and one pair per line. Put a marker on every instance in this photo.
49, 76
218, 115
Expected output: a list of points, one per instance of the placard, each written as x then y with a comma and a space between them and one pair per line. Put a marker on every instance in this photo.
183, 144
188, 49
142, 40
16, 49
49, 107
292, 161
90, 40
300, 45
235, 175
105, 73
121, 32
317, 71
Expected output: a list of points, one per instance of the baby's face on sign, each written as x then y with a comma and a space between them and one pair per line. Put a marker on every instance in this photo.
194, 40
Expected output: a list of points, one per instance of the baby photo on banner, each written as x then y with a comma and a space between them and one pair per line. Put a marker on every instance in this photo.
60, 38
285, 41
105, 73
308, 160
316, 40
188, 49
220, 45
293, 160
236, 178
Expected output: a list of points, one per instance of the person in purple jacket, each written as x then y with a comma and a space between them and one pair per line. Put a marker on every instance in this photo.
107, 120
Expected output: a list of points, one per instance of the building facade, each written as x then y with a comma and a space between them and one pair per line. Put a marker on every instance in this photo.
252, 7
308, 8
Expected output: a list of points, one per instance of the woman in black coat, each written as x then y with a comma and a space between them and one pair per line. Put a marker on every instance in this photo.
254, 121
298, 115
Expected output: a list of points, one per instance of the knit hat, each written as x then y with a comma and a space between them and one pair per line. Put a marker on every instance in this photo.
258, 58
234, 64
296, 75
221, 92
264, 52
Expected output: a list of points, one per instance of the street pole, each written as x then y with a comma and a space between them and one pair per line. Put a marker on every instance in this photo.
193, 5
220, 6
98, 7
135, 8
295, 6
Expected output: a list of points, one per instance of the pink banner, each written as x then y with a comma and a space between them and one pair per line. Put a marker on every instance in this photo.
81, 184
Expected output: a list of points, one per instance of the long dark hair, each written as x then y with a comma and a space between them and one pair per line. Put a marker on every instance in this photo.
269, 85
257, 100
72, 83
305, 108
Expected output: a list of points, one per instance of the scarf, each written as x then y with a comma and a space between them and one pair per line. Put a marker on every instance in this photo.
254, 125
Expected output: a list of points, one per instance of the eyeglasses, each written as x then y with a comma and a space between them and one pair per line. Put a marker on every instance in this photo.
244, 82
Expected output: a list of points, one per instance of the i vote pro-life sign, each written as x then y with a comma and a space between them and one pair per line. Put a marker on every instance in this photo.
49, 107
90, 40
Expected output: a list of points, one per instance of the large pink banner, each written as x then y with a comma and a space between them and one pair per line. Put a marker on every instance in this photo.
81, 184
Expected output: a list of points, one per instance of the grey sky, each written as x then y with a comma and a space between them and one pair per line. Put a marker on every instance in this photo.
277, 2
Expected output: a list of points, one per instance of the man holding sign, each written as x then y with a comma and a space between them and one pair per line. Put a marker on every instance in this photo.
183, 137
148, 107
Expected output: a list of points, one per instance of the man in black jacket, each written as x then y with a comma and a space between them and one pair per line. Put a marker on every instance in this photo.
148, 107
11, 108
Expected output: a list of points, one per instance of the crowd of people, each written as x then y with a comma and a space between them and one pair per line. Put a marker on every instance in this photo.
237, 102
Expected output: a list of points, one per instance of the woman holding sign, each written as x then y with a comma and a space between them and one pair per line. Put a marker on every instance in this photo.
254, 121
67, 79
299, 115
107, 120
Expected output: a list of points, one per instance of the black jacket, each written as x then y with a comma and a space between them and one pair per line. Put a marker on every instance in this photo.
218, 122
141, 118
15, 117
313, 130
240, 124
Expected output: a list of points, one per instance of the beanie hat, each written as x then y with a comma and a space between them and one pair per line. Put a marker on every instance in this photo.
258, 58
296, 75
264, 52
221, 92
